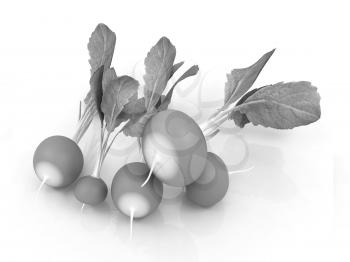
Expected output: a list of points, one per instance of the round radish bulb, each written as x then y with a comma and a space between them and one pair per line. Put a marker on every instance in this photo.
175, 147
58, 161
129, 197
91, 190
212, 185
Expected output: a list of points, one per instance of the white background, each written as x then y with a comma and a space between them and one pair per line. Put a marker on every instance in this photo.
294, 204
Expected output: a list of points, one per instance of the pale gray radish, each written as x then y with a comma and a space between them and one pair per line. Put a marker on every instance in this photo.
212, 185
91, 190
174, 145
129, 197
58, 161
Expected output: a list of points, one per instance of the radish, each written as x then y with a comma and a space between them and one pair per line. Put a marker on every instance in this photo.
129, 197
176, 156
58, 161
91, 190
174, 146
212, 185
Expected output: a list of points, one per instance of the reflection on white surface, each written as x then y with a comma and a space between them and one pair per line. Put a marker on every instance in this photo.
281, 200
286, 202
293, 206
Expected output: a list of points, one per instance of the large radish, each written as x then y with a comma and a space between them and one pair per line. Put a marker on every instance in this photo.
174, 146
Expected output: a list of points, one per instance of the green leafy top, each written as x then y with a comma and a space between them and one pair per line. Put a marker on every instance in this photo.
101, 47
118, 92
114, 99
159, 67
239, 81
281, 106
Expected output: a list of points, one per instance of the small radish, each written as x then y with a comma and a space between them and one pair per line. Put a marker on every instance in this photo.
91, 190
129, 197
111, 94
174, 147
212, 185
58, 161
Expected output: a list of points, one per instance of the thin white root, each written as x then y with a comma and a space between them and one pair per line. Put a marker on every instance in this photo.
82, 208
150, 171
132, 211
41, 186
241, 171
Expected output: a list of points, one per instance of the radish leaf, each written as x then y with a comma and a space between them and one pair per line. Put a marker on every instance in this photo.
137, 123
239, 81
159, 65
108, 75
241, 119
101, 47
175, 68
96, 90
281, 106
193, 70
118, 92
136, 106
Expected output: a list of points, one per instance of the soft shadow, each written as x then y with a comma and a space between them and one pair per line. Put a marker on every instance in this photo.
202, 221
267, 179
96, 218
155, 239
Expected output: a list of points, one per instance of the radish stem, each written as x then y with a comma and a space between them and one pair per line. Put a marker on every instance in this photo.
86, 117
79, 116
104, 147
213, 123
107, 148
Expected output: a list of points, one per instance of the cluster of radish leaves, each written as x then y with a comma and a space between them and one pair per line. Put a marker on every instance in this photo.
114, 99
280, 106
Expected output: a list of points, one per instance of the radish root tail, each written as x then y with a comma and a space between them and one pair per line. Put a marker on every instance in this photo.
150, 171
82, 208
241, 171
132, 211
41, 186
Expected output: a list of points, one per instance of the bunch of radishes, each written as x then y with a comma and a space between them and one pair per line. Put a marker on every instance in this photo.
173, 145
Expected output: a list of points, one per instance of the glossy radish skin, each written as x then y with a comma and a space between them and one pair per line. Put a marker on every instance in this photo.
58, 161
212, 185
127, 194
177, 145
90, 190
